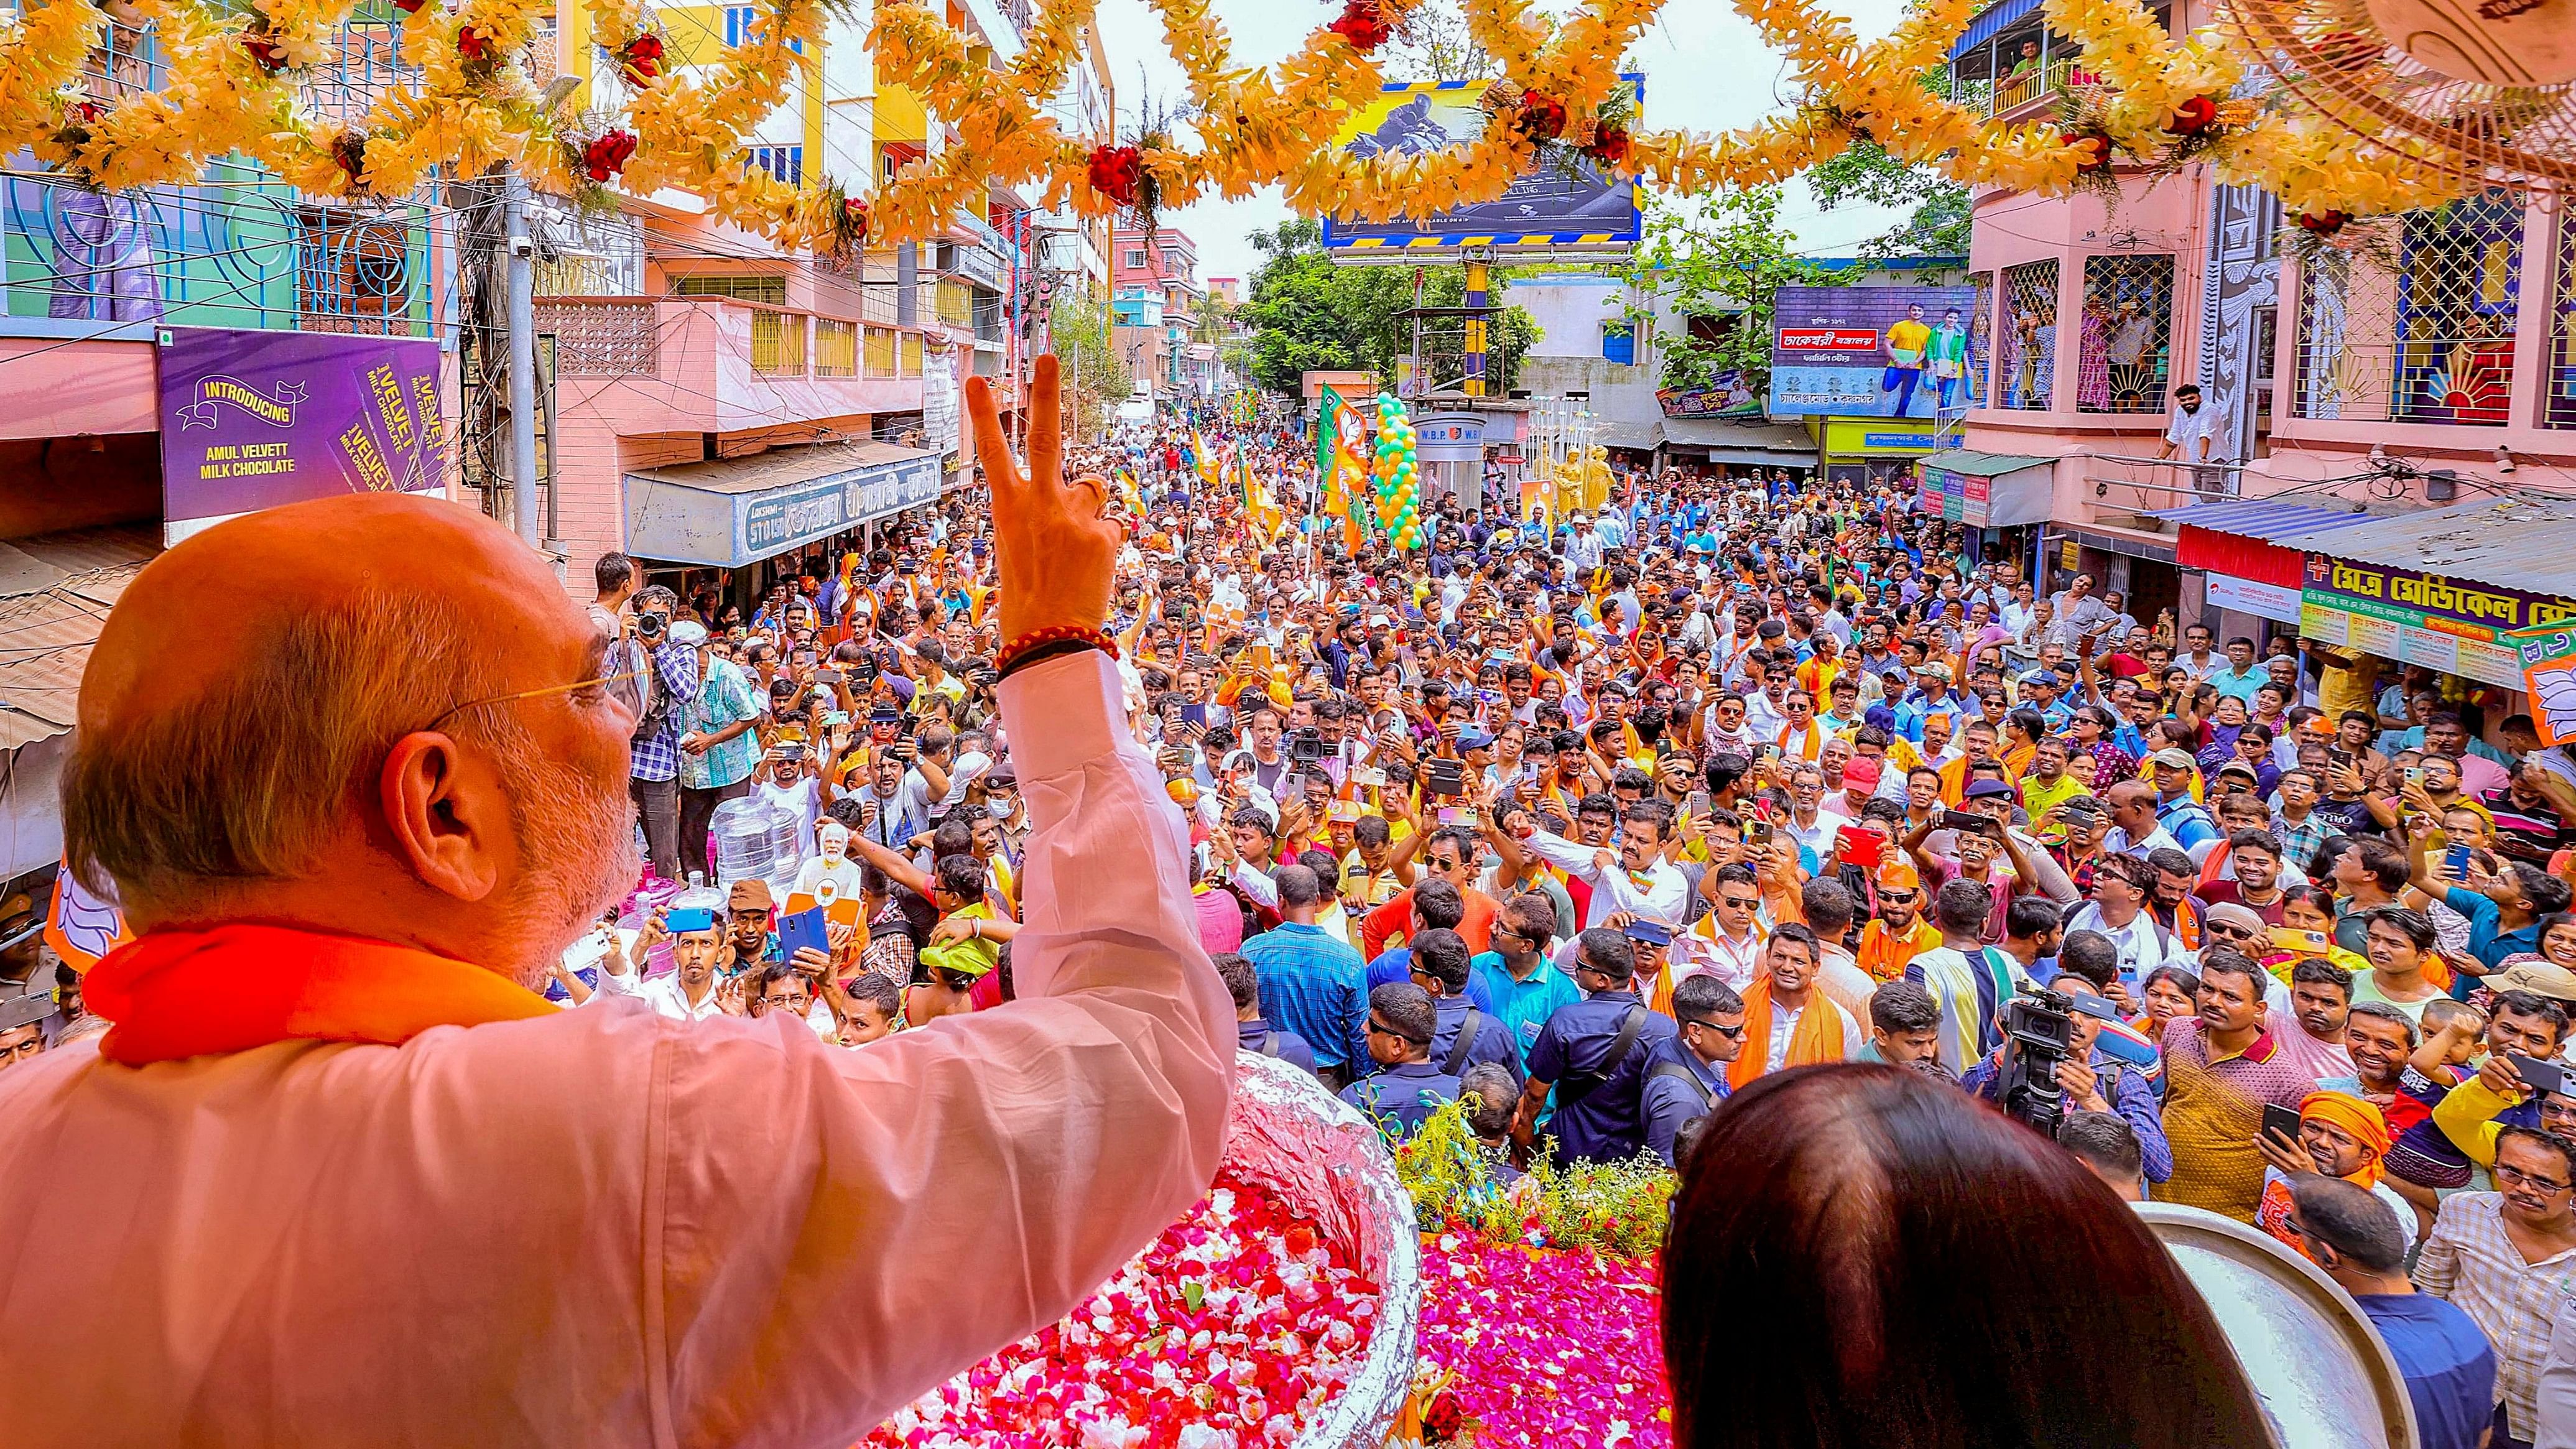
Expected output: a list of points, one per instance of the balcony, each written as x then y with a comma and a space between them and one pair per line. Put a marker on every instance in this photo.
718, 365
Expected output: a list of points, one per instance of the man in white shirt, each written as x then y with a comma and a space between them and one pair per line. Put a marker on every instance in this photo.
2192, 429
1633, 878
697, 938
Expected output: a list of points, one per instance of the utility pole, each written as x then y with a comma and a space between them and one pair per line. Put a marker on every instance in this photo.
520, 265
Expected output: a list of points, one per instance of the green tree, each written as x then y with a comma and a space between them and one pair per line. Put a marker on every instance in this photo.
1305, 313
1078, 328
1938, 224
1715, 260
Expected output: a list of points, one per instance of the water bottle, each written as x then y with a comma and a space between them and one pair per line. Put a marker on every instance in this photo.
746, 841
787, 853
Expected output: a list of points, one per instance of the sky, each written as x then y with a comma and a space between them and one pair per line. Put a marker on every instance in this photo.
1706, 70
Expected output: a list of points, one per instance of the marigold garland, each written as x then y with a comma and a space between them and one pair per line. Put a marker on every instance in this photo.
2153, 100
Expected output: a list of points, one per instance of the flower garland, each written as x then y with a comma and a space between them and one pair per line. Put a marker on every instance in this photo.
232, 80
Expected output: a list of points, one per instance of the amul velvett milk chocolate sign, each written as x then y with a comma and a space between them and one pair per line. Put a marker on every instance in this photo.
250, 420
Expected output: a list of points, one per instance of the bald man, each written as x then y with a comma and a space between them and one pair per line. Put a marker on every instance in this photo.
337, 1176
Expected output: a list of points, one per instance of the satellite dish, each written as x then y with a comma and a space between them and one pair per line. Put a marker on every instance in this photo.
2324, 1377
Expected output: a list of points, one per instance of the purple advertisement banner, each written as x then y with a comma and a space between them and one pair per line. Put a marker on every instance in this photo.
1871, 352
250, 420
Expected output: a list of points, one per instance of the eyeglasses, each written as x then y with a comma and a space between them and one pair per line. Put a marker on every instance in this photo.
1731, 1033
2224, 931
1902, 898
1740, 903
1382, 1030
576, 686
2515, 1177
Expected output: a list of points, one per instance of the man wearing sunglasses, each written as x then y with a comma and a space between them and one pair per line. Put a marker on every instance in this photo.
1407, 1086
1686, 1076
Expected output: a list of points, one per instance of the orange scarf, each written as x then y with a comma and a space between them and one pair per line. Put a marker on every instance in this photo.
229, 988
1818, 1036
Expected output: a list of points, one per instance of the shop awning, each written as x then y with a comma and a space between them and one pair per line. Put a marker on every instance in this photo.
1756, 445
1994, 22
55, 591
737, 511
2232, 539
2525, 543
1985, 490
2270, 520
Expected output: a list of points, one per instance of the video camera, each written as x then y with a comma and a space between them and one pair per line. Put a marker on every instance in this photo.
1306, 745
2040, 1032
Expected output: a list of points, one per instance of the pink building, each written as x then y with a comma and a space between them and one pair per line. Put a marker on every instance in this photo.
2426, 363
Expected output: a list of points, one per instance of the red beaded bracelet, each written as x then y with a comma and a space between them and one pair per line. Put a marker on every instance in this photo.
1042, 644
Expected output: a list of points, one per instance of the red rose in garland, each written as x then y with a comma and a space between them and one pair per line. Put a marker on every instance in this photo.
1363, 24
608, 155
1542, 119
265, 53
1117, 172
2323, 223
475, 44
1442, 1418
1609, 146
855, 219
349, 152
83, 113
2194, 116
2092, 152
641, 59
409, 7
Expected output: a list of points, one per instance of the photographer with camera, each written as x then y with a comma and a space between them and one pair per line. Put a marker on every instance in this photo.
2086, 1079
654, 676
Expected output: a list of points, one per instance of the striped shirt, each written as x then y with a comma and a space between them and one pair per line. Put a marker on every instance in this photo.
2469, 1261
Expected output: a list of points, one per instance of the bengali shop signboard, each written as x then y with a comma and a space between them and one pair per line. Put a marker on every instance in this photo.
251, 420
1871, 352
2448, 624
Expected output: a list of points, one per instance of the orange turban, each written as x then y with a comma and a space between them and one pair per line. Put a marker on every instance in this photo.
2357, 1117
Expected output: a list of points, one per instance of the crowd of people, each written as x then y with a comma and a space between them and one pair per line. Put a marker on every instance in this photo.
1596, 821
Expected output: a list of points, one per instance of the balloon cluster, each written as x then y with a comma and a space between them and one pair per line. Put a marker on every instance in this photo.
1398, 482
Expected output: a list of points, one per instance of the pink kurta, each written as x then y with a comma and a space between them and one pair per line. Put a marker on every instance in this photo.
607, 1228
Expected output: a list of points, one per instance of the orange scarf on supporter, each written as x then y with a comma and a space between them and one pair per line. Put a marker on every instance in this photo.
229, 988
1818, 1037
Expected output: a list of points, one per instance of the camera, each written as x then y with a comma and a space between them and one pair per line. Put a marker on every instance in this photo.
650, 625
1306, 745
2039, 1025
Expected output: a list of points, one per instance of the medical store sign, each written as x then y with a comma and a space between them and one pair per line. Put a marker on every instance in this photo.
2420, 618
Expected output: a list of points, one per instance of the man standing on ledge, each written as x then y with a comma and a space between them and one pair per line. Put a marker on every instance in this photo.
338, 1176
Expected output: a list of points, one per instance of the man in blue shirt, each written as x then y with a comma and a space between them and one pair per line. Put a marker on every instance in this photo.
1598, 1049
1310, 979
2448, 1365
1466, 1034
1524, 987
1686, 1077
1253, 1033
1409, 1086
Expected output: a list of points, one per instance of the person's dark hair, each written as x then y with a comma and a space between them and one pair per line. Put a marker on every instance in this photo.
2547, 894
1907, 1246
2128, 869
2406, 921
1828, 907
1297, 886
1442, 955
1406, 1008
2385, 862
1704, 995
2168, 861
2030, 917
1902, 1006
2314, 972
2533, 1004
2316, 897
876, 989
2182, 978
1607, 952
1438, 903
2262, 840
2350, 1219
1241, 981
1495, 1094
961, 876
1372, 831
1251, 817
2106, 1140
612, 571
2382, 1011
952, 836
2222, 962
2546, 1141
1961, 905
2091, 957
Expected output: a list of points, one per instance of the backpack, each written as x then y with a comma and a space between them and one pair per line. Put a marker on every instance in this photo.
640, 691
